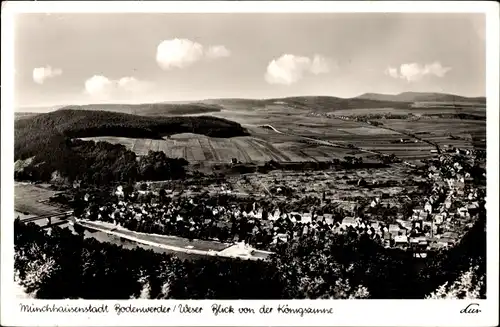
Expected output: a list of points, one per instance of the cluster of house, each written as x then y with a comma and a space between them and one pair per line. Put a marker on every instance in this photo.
434, 225
431, 226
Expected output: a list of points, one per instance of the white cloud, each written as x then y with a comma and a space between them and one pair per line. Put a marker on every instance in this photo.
178, 53
436, 69
413, 72
98, 86
393, 72
218, 51
289, 68
131, 84
102, 88
181, 53
320, 65
40, 74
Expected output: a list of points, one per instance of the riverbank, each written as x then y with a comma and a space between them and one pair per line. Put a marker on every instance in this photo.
177, 244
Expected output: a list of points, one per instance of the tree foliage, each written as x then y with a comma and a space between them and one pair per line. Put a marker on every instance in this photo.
100, 163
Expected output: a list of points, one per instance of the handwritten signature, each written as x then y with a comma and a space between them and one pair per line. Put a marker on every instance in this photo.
471, 308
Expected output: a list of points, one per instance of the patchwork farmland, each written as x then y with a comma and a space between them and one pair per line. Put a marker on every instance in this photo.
198, 148
286, 132
305, 138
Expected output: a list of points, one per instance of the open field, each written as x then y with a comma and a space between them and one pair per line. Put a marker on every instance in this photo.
198, 148
469, 133
417, 110
30, 199
295, 135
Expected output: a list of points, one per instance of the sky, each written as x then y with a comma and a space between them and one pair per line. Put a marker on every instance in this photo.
65, 59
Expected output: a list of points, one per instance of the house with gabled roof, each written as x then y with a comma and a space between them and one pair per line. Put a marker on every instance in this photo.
394, 229
401, 241
349, 221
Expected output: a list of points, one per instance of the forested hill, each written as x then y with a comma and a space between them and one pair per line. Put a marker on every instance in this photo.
152, 109
31, 135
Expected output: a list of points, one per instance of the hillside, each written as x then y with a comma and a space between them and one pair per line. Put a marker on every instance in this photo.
421, 97
151, 109
38, 134
306, 103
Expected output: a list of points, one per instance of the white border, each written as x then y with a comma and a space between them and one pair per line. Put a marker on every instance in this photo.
346, 313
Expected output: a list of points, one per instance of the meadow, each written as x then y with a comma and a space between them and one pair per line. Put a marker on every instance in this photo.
33, 199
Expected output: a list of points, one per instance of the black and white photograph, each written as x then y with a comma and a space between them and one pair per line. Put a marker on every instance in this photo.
249, 156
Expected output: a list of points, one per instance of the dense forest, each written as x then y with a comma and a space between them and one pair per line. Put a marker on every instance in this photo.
40, 133
153, 109
98, 163
346, 266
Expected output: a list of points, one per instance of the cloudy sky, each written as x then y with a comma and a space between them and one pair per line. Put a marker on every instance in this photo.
92, 58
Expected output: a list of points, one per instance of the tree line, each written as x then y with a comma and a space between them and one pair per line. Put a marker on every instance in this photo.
99, 163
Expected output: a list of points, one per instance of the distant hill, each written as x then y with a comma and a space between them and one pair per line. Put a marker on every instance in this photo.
37, 109
41, 132
152, 109
327, 103
366, 101
23, 115
421, 97
306, 103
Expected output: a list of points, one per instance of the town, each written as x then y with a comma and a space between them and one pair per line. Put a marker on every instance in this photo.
263, 211
250, 156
